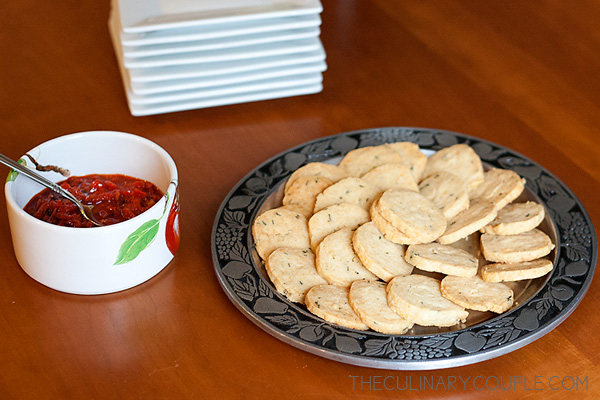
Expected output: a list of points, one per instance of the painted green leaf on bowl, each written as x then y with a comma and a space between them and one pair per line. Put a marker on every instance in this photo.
137, 241
12, 175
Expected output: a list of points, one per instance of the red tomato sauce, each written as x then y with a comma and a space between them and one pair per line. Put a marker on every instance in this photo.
116, 198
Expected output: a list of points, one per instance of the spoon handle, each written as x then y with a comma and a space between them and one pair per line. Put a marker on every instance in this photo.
36, 177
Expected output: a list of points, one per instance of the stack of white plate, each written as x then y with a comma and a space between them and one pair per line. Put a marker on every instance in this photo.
179, 55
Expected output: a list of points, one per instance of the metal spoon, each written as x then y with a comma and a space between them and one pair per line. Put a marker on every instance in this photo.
86, 210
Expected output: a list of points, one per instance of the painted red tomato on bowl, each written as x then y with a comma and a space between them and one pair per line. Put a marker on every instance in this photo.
172, 230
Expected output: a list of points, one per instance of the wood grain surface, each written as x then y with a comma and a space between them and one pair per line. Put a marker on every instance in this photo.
523, 74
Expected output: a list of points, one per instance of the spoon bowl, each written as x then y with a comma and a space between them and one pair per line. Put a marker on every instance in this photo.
86, 210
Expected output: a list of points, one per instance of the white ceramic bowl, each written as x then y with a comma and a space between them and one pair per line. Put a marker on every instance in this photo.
100, 259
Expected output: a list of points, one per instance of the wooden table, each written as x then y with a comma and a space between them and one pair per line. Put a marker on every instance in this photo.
521, 74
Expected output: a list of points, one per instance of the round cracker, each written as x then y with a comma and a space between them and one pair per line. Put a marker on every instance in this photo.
510, 272
358, 161
390, 232
382, 257
525, 246
478, 215
412, 214
334, 217
516, 218
303, 192
337, 262
461, 160
412, 157
330, 302
418, 299
369, 302
348, 190
447, 191
476, 294
391, 176
297, 209
279, 227
435, 257
500, 186
330, 171
293, 272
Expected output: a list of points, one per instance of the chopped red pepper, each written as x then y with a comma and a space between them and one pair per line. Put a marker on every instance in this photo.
116, 198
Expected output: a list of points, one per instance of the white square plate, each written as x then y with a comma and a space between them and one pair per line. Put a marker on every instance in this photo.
225, 30
163, 49
153, 15
141, 110
171, 85
229, 54
222, 68
225, 90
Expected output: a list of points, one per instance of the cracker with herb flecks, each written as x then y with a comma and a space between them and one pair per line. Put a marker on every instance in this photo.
516, 218
510, 272
525, 246
435, 257
447, 191
389, 231
500, 186
417, 298
279, 227
476, 294
412, 157
329, 171
391, 176
332, 218
369, 302
293, 272
337, 262
330, 302
412, 214
303, 192
348, 190
466, 222
379, 255
461, 160
358, 161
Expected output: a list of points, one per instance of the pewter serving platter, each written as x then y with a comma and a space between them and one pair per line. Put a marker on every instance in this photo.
541, 304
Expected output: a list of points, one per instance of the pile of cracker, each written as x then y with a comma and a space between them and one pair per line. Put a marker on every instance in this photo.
355, 242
